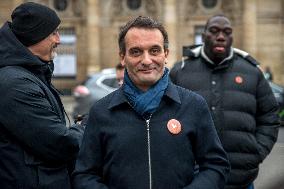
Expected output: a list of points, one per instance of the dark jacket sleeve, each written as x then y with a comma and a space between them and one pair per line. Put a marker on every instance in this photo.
88, 169
28, 116
210, 156
267, 120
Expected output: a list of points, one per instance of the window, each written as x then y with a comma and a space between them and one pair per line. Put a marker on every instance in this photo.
134, 4
60, 5
209, 3
198, 30
111, 82
65, 61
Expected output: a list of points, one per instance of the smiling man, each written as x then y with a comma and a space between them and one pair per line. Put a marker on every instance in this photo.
242, 104
149, 133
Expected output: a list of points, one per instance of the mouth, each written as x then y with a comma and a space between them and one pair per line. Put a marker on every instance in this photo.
146, 71
219, 49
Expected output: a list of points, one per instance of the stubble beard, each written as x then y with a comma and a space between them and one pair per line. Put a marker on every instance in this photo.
53, 54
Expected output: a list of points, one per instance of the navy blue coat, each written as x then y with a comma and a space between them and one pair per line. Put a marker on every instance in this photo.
121, 150
36, 147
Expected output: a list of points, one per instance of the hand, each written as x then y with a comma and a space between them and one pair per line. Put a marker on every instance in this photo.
79, 118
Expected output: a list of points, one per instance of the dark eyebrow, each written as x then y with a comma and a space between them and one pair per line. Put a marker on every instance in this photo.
156, 46
223, 28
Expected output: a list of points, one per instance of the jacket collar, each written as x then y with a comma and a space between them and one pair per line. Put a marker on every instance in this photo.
211, 62
119, 98
13, 52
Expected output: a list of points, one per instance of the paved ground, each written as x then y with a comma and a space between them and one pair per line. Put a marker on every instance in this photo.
272, 169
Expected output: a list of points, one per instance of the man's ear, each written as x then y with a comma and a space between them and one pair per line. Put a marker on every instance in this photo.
122, 56
167, 51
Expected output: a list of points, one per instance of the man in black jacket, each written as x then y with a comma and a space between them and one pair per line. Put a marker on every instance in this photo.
140, 136
36, 147
242, 104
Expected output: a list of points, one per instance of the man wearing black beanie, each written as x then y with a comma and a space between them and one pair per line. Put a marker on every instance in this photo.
36, 148
32, 22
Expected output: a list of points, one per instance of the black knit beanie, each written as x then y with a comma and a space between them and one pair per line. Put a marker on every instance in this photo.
33, 22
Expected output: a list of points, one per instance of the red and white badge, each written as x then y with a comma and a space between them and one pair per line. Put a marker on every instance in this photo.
239, 80
174, 126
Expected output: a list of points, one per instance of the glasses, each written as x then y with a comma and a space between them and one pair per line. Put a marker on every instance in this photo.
55, 32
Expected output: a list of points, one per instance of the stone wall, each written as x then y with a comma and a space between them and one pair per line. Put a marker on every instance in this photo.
258, 28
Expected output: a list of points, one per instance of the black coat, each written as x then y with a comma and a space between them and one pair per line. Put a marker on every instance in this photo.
242, 105
36, 147
122, 150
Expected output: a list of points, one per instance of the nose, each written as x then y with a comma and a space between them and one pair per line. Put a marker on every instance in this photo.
57, 38
147, 58
221, 36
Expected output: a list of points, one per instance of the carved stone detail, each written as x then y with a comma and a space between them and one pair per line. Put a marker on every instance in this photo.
117, 10
78, 7
151, 7
233, 9
190, 9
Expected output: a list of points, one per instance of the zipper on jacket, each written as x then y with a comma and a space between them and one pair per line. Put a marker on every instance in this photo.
148, 146
149, 152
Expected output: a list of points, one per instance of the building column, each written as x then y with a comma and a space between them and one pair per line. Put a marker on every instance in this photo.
250, 27
16, 3
93, 36
170, 23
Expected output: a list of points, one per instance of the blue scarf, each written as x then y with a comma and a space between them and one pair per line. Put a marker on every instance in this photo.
145, 103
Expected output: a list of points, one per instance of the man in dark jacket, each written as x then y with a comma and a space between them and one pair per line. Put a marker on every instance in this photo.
36, 147
242, 104
149, 133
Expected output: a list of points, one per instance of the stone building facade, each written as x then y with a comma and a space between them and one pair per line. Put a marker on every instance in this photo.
90, 29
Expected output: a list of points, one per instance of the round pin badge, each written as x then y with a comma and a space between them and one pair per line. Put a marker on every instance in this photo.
174, 126
239, 79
